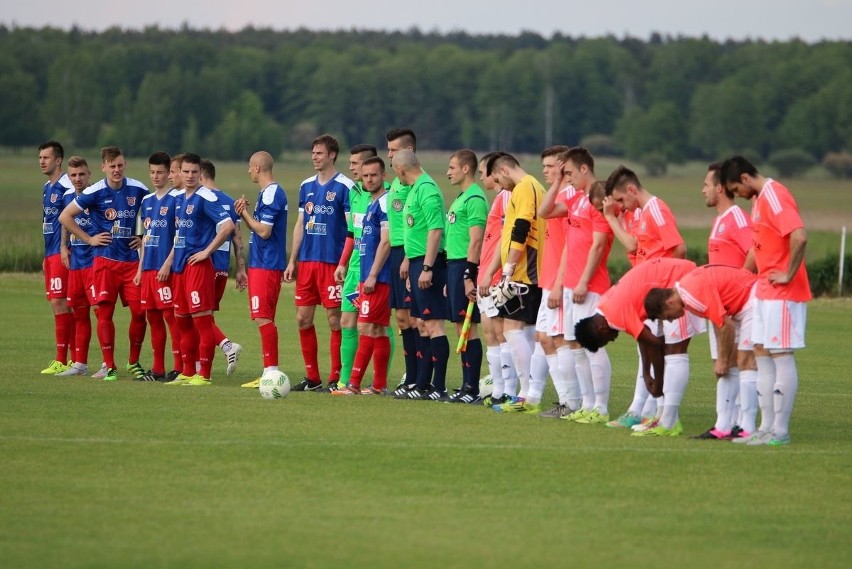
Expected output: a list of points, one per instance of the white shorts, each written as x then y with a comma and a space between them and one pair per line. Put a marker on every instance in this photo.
743, 324
677, 331
573, 312
779, 325
549, 320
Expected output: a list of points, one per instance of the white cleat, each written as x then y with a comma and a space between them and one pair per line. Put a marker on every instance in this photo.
75, 369
233, 355
101, 373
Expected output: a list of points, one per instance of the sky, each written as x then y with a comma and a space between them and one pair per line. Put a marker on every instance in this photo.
809, 20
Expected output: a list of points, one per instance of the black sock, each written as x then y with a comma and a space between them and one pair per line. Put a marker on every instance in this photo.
440, 355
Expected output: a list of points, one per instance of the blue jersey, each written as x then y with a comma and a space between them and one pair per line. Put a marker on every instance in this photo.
324, 209
52, 206
197, 218
158, 218
81, 256
222, 256
271, 209
375, 220
114, 211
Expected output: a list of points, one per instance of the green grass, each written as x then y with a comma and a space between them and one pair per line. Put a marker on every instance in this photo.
826, 204
143, 475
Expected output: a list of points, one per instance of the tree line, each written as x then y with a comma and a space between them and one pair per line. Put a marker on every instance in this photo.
226, 94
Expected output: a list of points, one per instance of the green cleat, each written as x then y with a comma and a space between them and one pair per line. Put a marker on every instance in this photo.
532, 408
180, 379
513, 405
594, 417
779, 441
136, 370
197, 380
576, 415
661, 431
54, 367
111, 374
626, 421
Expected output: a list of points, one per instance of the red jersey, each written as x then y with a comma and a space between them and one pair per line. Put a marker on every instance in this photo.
555, 240
716, 291
730, 238
657, 235
583, 223
623, 305
775, 215
493, 230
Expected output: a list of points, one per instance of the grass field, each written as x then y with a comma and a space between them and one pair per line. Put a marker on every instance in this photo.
144, 475
826, 204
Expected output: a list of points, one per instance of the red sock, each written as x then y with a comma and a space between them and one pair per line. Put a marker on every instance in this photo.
188, 345
174, 332
336, 340
362, 360
308, 340
218, 335
63, 327
269, 344
82, 333
158, 340
381, 357
137, 331
106, 332
206, 345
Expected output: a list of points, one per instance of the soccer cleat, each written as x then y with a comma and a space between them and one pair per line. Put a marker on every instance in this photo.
555, 412
493, 402
742, 437
111, 374
308, 385
776, 441
136, 370
331, 388
170, 376
417, 394
347, 390
55, 367
578, 414
713, 434
373, 391
647, 423
531, 408
253, 384
197, 380
660, 431
626, 421
760, 438
402, 391
180, 379
735, 433
75, 369
101, 373
512, 405
470, 399
594, 417
150, 376
454, 398
232, 355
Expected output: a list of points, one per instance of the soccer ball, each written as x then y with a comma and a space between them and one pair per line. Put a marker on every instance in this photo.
274, 385
486, 386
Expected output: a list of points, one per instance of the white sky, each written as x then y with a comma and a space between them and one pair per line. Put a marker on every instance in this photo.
810, 20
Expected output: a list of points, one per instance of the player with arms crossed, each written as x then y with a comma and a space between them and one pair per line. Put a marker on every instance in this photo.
267, 255
50, 157
783, 290
114, 204
318, 240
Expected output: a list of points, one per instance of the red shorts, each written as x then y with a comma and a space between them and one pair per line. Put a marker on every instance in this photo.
113, 280
55, 277
219, 287
315, 285
193, 288
79, 281
157, 295
264, 286
374, 308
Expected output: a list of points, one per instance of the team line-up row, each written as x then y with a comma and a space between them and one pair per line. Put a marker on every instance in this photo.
529, 272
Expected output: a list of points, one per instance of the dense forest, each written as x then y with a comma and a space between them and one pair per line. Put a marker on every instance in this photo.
226, 94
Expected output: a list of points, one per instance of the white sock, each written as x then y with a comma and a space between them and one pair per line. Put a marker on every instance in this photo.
492, 354
748, 400
786, 386
271, 368
765, 388
727, 388
601, 379
584, 375
640, 395
529, 334
573, 394
538, 374
674, 386
558, 377
510, 375
733, 396
225, 345
659, 405
521, 355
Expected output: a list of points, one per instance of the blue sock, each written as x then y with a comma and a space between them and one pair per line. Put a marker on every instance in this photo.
473, 354
440, 356
424, 362
409, 351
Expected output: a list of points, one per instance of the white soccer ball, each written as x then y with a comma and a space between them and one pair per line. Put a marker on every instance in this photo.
274, 385
486, 386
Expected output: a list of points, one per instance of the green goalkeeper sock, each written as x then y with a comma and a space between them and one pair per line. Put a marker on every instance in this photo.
392, 337
348, 347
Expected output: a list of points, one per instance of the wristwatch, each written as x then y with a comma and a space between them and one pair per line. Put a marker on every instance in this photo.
427, 268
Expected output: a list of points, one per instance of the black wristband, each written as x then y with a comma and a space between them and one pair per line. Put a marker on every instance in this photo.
471, 272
